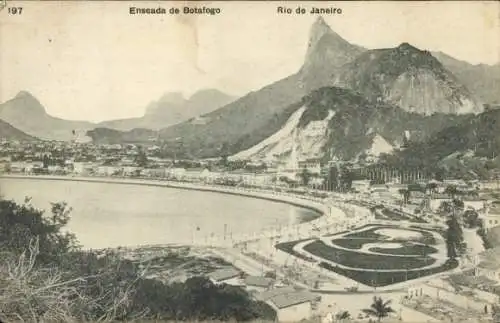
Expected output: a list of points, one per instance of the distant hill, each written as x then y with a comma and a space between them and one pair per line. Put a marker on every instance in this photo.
409, 78
27, 114
8, 132
478, 134
481, 79
171, 109
111, 136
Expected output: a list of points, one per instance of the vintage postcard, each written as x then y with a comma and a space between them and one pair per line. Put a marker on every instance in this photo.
249, 161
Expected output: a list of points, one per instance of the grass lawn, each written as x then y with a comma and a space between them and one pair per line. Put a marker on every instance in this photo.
365, 261
378, 279
370, 234
288, 248
354, 243
409, 250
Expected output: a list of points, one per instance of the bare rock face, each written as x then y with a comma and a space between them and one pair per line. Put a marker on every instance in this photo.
326, 53
409, 78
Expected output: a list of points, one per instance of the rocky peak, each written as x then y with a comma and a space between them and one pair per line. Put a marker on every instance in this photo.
25, 102
318, 31
326, 52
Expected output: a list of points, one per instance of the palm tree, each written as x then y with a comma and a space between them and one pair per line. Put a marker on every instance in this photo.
342, 315
431, 187
379, 308
452, 191
403, 193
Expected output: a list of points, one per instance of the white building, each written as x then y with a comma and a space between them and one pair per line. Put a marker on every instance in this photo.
290, 305
18, 167
362, 186
176, 173
82, 168
131, 170
293, 307
197, 174
107, 170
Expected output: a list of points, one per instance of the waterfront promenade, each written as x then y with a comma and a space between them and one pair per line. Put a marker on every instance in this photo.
327, 211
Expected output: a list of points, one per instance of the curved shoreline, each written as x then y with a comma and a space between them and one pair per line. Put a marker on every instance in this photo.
310, 203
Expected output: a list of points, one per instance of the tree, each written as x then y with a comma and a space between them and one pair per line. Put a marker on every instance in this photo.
471, 218
141, 159
342, 315
405, 194
431, 187
451, 190
455, 244
305, 176
379, 308
332, 179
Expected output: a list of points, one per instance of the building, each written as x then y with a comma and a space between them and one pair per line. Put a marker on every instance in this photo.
18, 167
312, 165
83, 168
491, 218
361, 186
131, 170
108, 170
257, 283
176, 173
294, 306
229, 275
197, 174
435, 201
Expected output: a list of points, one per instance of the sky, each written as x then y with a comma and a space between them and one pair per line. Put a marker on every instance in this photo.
87, 60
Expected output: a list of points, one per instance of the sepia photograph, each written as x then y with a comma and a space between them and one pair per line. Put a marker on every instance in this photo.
250, 161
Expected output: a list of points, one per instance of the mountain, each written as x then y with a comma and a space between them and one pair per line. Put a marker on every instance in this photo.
111, 136
409, 78
475, 133
171, 109
10, 133
212, 133
337, 123
481, 79
326, 53
27, 114
468, 147
380, 95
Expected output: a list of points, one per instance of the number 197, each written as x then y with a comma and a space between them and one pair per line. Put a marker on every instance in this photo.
15, 10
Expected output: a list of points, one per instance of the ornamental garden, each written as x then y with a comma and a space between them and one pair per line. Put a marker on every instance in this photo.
377, 255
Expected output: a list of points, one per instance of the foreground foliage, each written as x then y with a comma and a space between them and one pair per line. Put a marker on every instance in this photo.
45, 276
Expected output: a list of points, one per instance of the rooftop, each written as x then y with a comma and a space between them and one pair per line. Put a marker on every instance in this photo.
224, 274
268, 294
258, 281
293, 298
